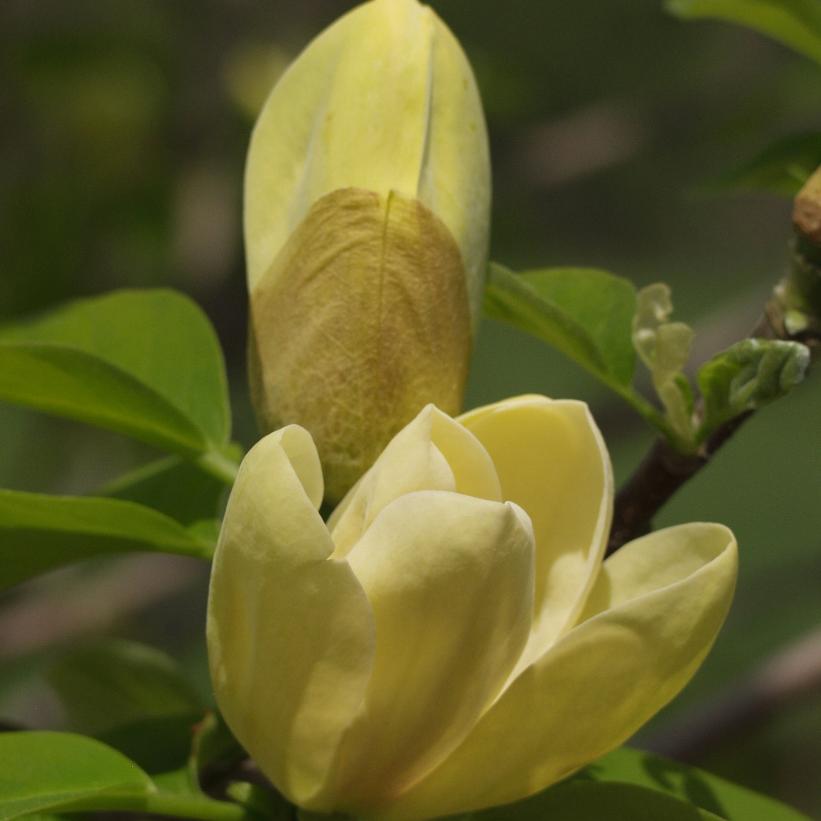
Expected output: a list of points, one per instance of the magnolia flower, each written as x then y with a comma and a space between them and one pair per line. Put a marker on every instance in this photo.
451, 640
367, 203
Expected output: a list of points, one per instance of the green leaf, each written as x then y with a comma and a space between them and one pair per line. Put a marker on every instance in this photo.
664, 347
583, 312
143, 363
725, 799
137, 700
114, 682
49, 816
748, 375
583, 800
781, 168
64, 382
44, 771
161, 745
795, 23
39, 532
601, 303
174, 486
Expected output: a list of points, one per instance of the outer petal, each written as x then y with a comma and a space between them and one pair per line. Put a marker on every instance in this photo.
433, 452
455, 181
450, 581
290, 632
291, 160
666, 596
312, 137
552, 460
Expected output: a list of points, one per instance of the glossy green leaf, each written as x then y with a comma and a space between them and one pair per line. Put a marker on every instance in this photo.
175, 486
143, 363
65, 382
748, 375
584, 800
44, 771
781, 168
39, 532
583, 312
664, 347
114, 682
725, 799
795, 23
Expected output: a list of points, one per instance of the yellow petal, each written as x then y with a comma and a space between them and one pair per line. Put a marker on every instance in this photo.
291, 161
655, 561
301, 452
450, 581
551, 460
361, 318
418, 131
290, 632
666, 596
433, 452
455, 180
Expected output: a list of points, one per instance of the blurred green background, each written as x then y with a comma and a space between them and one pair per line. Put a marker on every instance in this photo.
125, 125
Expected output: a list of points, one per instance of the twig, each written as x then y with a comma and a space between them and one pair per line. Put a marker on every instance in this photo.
659, 475
790, 675
664, 469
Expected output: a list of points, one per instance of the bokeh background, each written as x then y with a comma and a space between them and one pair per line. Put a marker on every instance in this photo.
124, 128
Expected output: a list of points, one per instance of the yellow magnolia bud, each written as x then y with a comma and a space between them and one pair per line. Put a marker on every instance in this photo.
367, 197
452, 639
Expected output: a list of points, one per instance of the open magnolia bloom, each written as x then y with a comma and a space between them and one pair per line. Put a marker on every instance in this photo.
451, 639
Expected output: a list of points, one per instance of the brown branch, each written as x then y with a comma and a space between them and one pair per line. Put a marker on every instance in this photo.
659, 475
791, 675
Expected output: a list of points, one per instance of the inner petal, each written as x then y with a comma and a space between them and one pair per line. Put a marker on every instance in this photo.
433, 452
450, 581
552, 461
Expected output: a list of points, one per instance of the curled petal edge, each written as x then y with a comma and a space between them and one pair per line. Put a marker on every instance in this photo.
600, 682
